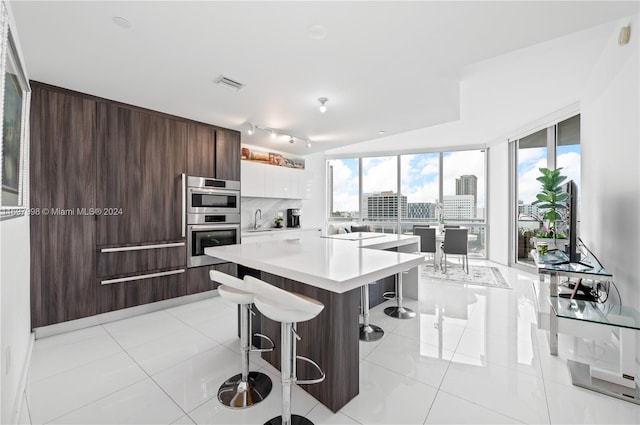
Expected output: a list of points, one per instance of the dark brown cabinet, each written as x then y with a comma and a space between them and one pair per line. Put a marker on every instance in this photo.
213, 152
201, 151
198, 279
141, 158
227, 154
90, 154
63, 182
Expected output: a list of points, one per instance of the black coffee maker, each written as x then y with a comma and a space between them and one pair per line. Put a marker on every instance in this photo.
293, 217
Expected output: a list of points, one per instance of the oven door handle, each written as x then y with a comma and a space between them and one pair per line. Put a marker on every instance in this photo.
183, 222
216, 191
206, 227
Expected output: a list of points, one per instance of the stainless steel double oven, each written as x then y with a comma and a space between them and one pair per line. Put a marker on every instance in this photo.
213, 217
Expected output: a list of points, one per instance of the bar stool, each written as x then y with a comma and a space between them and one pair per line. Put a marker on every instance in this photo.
247, 388
399, 312
368, 332
289, 309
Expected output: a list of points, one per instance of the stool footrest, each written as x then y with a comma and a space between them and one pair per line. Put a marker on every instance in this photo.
314, 364
262, 350
391, 295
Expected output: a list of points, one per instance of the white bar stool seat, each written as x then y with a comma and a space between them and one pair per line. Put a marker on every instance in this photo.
234, 295
287, 308
246, 388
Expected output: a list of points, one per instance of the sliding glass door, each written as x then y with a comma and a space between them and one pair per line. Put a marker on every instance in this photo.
551, 147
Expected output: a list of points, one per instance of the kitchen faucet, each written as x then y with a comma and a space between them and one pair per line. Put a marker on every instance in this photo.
257, 224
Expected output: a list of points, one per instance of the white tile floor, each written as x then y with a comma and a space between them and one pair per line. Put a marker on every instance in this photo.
473, 355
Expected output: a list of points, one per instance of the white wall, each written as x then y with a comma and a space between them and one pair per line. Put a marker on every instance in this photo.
15, 321
610, 224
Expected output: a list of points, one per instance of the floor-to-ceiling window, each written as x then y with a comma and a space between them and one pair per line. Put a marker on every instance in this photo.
420, 183
463, 195
555, 146
380, 204
343, 177
400, 191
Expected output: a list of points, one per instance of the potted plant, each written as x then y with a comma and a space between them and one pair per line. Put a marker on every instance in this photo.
278, 222
551, 202
524, 237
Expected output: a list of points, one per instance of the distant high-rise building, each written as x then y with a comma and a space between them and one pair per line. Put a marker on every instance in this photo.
383, 206
417, 210
468, 185
528, 209
459, 207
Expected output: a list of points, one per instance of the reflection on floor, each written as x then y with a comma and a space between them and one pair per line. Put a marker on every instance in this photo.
473, 355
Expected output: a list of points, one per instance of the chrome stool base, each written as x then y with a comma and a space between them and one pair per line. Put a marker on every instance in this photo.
237, 394
295, 420
400, 312
373, 333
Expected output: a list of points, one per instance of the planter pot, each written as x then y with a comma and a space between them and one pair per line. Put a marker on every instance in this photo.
557, 244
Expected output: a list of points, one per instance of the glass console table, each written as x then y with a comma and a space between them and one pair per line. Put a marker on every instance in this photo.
620, 383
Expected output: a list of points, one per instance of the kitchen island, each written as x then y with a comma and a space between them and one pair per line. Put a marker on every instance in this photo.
332, 272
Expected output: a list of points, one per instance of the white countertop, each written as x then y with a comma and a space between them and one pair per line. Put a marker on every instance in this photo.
375, 240
328, 263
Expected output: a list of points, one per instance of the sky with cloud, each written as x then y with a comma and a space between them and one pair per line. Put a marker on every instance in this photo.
531, 160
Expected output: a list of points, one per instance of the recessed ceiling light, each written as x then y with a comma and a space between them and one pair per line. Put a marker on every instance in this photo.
121, 22
317, 32
381, 132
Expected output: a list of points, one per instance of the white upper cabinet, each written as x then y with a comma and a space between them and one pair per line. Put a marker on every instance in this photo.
268, 181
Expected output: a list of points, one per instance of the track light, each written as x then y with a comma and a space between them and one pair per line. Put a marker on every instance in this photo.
274, 133
323, 106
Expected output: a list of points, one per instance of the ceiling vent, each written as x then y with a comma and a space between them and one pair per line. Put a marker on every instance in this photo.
229, 83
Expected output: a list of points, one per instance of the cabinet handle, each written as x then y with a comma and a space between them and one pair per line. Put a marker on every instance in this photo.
141, 276
143, 247
184, 204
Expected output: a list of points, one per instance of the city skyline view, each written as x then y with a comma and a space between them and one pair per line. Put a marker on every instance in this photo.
419, 177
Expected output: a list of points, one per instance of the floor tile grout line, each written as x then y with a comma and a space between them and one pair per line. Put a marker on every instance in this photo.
151, 340
102, 357
93, 401
199, 331
483, 406
151, 378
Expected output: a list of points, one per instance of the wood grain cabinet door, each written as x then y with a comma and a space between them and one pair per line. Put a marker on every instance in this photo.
63, 180
227, 154
201, 151
140, 161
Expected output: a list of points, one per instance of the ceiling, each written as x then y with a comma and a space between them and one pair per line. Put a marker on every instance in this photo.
384, 66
